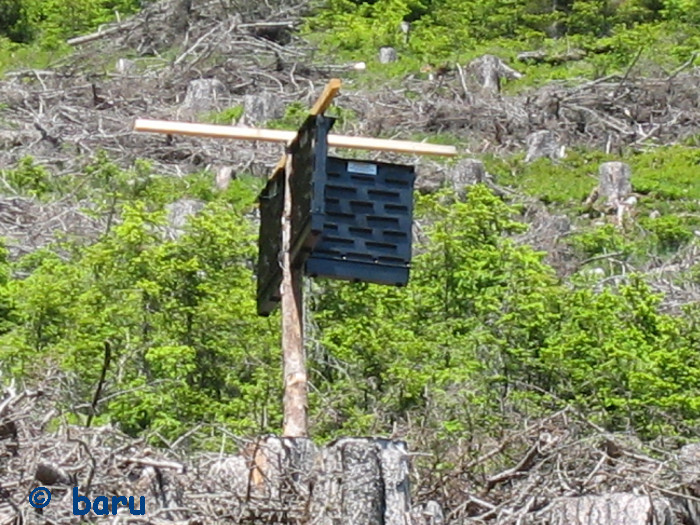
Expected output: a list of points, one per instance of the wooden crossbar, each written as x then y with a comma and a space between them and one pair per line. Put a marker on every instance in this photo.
284, 136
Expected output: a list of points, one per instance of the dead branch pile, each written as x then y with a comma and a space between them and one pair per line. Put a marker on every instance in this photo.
32, 224
556, 469
565, 469
89, 100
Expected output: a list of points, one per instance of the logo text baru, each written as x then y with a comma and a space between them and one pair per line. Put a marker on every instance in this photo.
102, 505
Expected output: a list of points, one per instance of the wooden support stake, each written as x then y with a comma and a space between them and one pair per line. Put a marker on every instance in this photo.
325, 99
294, 355
295, 423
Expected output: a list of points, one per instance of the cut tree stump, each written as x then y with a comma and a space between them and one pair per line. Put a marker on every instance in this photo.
363, 481
261, 108
224, 176
387, 55
489, 70
614, 182
204, 94
466, 172
429, 513
543, 143
689, 462
611, 509
125, 66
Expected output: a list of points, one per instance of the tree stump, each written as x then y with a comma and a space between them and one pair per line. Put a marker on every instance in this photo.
543, 143
261, 108
125, 66
611, 509
179, 18
361, 481
224, 176
178, 214
689, 462
204, 94
428, 514
489, 70
387, 54
614, 182
429, 180
466, 172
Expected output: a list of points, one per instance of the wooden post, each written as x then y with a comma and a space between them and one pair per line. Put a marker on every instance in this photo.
294, 355
295, 423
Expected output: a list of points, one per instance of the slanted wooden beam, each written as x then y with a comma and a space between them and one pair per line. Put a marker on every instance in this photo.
284, 136
325, 99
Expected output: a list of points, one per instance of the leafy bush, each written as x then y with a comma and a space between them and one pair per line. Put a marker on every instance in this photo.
29, 178
53, 20
670, 232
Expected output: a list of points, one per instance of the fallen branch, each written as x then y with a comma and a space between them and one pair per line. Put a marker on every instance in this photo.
99, 34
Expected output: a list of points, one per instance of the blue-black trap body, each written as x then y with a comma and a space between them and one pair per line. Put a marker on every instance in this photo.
351, 220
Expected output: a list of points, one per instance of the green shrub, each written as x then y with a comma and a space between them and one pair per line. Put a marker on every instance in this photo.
227, 116
670, 231
29, 178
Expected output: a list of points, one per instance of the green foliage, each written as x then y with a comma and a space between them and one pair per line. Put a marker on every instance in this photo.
567, 181
606, 239
485, 330
33, 32
670, 231
614, 354
227, 116
483, 334
52, 20
611, 33
179, 317
294, 116
666, 177
29, 178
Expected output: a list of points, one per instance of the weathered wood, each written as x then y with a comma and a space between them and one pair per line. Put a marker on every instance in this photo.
611, 509
489, 70
541, 56
543, 143
430, 513
125, 66
295, 380
614, 183
325, 99
689, 462
260, 108
466, 172
274, 135
361, 481
387, 54
224, 176
204, 94
84, 39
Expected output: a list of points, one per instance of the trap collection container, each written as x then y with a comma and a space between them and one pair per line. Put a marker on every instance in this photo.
309, 151
351, 220
366, 223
